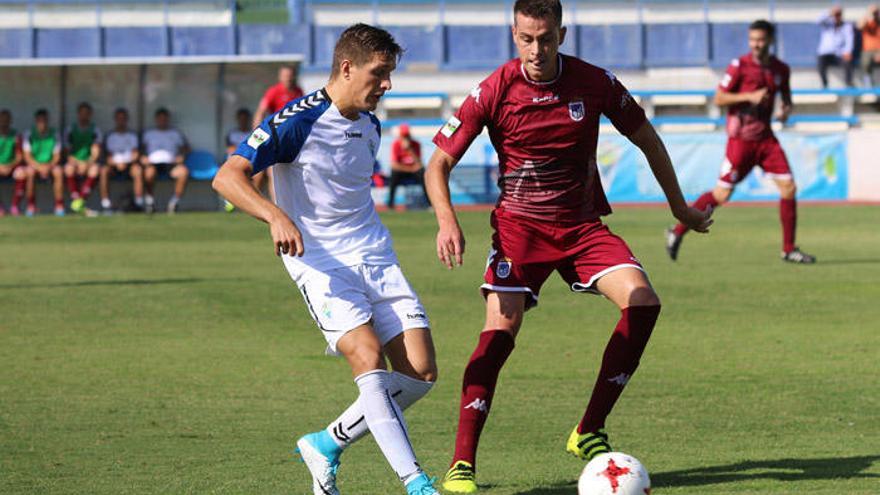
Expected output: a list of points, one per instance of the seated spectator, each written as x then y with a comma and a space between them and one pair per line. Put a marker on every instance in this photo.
406, 163
234, 137
121, 152
165, 149
836, 42
870, 27
241, 132
42, 154
10, 161
82, 145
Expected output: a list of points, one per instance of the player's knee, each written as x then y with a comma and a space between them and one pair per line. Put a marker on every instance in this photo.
427, 373
721, 194
643, 296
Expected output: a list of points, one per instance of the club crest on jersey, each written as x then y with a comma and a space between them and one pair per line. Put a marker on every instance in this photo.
503, 268
257, 138
576, 110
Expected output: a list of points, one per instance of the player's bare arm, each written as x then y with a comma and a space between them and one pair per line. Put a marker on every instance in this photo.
787, 106
725, 98
652, 146
29, 159
95, 153
450, 239
233, 183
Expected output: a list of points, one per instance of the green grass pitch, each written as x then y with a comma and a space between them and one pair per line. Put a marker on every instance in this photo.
172, 355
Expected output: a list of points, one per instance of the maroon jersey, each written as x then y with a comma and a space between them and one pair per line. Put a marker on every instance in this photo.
545, 134
744, 74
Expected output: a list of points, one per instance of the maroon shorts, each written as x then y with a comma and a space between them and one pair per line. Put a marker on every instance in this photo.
742, 156
526, 251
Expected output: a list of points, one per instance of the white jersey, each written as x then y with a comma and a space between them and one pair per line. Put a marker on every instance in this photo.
162, 146
121, 146
323, 166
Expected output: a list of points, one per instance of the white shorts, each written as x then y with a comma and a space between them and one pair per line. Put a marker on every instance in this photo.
342, 299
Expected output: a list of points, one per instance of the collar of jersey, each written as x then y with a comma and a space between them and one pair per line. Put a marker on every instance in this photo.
543, 83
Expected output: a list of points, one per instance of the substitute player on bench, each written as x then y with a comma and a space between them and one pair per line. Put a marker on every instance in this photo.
748, 90
82, 143
326, 229
542, 111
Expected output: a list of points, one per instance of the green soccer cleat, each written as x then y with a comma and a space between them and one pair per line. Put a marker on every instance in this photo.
228, 207
77, 205
588, 445
460, 478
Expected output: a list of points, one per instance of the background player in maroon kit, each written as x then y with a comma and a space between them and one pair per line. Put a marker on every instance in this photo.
542, 112
273, 100
749, 91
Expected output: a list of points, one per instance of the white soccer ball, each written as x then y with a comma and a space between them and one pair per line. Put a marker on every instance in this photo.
615, 473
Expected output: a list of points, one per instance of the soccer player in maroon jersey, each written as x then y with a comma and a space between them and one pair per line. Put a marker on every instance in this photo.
748, 90
542, 111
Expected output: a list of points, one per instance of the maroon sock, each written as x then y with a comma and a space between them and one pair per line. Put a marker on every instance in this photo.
788, 215
87, 186
707, 200
18, 192
478, 387
73, 187
619, 362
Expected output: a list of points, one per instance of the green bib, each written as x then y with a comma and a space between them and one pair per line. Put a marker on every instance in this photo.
42, 147
81, 141
7, 147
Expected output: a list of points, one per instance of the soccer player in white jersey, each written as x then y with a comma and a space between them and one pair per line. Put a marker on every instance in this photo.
322, 148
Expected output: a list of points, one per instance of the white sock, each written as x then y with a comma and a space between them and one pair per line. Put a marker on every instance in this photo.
149, 199
386, 422
105, 203
351, 426
139, 200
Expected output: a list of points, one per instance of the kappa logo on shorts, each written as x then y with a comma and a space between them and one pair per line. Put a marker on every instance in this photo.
576, 111
416, 316
325, 310
503, 268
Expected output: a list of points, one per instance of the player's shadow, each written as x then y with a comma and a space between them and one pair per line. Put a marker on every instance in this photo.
851, 261
90, 283
779, 470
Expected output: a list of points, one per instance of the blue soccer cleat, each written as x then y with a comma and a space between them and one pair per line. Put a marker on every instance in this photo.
321, 455
422, 485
